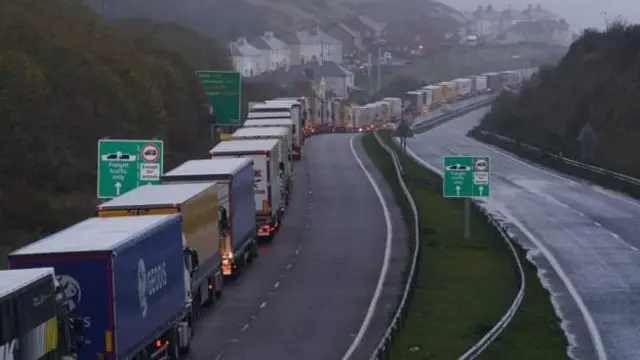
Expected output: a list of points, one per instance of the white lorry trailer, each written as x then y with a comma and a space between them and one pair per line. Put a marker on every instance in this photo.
293, 108
279, 133
267, 187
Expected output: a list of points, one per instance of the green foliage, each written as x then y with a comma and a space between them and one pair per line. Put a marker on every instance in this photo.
595, 83
67, 79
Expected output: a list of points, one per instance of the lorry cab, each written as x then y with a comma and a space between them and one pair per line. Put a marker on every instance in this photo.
202, 249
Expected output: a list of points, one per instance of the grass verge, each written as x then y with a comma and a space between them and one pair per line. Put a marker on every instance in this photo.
465, 285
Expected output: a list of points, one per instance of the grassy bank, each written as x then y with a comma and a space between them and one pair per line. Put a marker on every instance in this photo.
465, 285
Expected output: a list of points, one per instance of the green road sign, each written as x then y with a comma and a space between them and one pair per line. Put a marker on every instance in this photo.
223, 89
126, 164
466, 176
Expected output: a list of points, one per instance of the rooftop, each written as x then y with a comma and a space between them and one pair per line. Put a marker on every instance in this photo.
242, 47
96, 234
210, 167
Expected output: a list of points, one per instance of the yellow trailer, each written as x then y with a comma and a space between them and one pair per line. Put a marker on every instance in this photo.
198, 204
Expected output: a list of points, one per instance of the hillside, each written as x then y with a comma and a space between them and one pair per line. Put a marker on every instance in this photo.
595, 83
67, 78
247, 18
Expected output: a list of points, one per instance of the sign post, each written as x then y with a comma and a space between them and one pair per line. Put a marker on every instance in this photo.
124, 165
466, 177
224, 90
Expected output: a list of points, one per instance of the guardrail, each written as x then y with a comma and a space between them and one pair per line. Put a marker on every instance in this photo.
382, 351
430, 124
596, 174
499, 327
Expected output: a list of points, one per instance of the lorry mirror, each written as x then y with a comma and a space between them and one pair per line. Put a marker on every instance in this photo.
281, 165
195, 263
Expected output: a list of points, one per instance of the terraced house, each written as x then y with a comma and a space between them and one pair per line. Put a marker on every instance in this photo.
313, 44
247, 59
275, 52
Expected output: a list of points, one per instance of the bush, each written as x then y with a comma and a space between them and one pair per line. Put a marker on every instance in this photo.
67, 79
594, 83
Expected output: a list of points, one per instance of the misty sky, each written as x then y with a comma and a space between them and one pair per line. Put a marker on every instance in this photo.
579, 13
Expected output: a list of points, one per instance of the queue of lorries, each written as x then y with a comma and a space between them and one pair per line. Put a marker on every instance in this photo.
131, 282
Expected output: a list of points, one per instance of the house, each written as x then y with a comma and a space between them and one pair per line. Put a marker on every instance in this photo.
417, 37
541, 31
313, 44
247, 60
336, 79
275, 52
488, 22
376, 26
350, 39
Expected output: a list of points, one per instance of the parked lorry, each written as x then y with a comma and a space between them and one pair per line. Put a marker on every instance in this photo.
494, 81
268, 188
463, 86
412, 102
271, 123
305, 110
233, 179
450, 91
198, 204
283, 134
396, 108
428, 93
293, 108
34, 323
125, 277
480, 84
385, 111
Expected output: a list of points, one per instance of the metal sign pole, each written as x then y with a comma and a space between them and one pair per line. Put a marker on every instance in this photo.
467, 218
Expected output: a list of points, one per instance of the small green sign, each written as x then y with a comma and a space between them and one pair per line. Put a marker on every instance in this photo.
224, 90
124, 165
466, 176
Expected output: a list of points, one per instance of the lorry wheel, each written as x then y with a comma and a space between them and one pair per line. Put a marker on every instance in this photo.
174, 345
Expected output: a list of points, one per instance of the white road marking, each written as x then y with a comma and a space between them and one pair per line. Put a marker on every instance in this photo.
588, 319
262, 306
276, 284
385, 264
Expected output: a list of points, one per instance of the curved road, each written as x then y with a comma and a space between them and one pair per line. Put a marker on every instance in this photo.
307, 295
585, 240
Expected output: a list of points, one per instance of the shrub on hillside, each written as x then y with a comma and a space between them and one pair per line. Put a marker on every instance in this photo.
595, 83
67, 79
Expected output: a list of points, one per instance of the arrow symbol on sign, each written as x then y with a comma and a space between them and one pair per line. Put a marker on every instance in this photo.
481, 189
118, 187
458, 190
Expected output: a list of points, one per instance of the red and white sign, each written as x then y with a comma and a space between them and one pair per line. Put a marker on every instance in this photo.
481, 165
150, 153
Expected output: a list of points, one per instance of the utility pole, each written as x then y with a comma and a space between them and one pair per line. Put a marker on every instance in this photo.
370, 64
379, 72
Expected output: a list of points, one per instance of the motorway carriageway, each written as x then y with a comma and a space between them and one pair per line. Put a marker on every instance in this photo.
308, 293
584, 239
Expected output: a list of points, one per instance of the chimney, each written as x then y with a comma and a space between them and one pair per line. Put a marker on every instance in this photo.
242, 41
313, 30
268, 34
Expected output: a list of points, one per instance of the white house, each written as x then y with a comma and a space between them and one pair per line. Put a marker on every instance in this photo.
275, 51
315, 44
247, 60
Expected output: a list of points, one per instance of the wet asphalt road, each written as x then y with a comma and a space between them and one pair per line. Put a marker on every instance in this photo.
306, 296
591, 233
